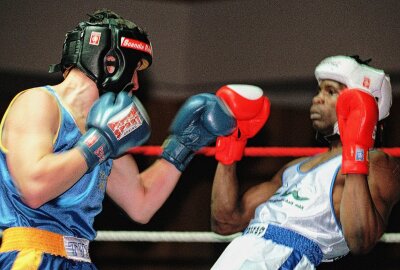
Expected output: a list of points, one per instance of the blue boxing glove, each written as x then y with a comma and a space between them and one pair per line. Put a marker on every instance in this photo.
114, 124
200, 120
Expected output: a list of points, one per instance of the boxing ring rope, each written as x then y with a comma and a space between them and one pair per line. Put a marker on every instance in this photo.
210, 237
188, 237
199, 237
259, 151
166, 236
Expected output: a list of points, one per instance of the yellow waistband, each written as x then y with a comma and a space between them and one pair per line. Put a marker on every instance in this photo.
23, 238
19, 238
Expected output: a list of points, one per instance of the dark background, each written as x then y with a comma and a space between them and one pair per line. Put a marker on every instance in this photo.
198, 47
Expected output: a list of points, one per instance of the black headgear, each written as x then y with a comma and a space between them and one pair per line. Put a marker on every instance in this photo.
106, 40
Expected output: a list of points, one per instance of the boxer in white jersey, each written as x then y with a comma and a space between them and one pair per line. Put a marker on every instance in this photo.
315, 209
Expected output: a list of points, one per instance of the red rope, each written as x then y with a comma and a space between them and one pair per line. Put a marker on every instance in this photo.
258, 151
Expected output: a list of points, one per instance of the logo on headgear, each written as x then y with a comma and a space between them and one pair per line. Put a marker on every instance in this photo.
366, 82
136, 45
95, 38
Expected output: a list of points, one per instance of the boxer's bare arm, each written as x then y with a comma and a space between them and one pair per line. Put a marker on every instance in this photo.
39, 174
366, 204
140, 195
231, 212
362, 212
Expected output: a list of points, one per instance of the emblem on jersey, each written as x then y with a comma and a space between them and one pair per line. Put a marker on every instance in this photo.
95, 38
125, 122
360, 154
102, 181
291, 198
295, 195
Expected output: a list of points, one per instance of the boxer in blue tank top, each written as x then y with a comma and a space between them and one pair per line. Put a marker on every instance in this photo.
64, 146
73, 212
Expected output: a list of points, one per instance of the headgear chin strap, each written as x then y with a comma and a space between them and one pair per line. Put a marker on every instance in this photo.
108, 49
348, 71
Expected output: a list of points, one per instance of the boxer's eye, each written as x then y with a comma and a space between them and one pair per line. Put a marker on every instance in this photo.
331, 91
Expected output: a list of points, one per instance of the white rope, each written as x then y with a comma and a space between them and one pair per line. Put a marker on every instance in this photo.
174, 236
152, 236
391, 238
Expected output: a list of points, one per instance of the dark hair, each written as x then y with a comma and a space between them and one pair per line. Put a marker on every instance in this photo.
360, 61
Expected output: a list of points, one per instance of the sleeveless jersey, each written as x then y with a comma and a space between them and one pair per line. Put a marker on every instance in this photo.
70, 214
304, 204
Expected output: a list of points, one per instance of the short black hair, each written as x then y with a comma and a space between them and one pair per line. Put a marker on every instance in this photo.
360, 61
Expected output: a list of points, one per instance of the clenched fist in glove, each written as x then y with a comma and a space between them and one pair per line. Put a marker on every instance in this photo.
251, 110
357, 113
199, 121
114, 124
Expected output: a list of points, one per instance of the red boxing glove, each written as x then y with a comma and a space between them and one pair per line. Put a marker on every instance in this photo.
251, 110
357, 113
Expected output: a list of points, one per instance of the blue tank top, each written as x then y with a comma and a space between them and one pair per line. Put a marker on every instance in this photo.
73, 212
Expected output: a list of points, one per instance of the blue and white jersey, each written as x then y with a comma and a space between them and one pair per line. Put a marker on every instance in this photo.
304, 204
70, 214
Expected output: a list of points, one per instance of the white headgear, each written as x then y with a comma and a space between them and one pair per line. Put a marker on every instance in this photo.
348, 71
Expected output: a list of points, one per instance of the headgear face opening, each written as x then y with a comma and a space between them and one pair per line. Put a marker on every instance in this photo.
348, 71
108, 49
